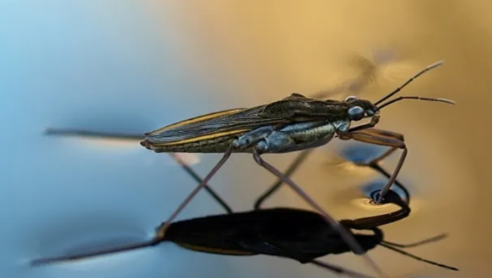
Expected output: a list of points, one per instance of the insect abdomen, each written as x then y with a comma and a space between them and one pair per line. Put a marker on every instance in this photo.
206, 145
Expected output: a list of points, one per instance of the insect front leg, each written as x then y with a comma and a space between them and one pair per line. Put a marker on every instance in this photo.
385, 133
377, 138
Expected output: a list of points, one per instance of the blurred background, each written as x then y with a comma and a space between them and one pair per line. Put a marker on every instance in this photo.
134, 66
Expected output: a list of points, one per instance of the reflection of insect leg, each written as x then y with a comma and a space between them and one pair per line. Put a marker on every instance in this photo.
344, 233
382, 138
182, 163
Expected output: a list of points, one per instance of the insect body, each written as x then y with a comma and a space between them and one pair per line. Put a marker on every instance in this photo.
292, 124
270, 232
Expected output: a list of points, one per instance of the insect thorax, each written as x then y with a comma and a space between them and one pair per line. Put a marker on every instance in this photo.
290, 137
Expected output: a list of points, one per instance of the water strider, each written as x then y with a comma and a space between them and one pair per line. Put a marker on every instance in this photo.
296, 123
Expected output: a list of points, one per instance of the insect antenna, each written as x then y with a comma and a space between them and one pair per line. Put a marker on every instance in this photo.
86, 255
448, 101
435, 65
418, 243
417, 258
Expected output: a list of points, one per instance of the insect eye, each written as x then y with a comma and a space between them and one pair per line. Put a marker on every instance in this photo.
356, 113
351, 98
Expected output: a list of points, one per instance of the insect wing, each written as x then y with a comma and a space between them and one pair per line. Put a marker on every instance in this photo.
222, 123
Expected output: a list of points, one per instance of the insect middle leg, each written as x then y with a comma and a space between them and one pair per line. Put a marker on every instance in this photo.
344, 233
382, 138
